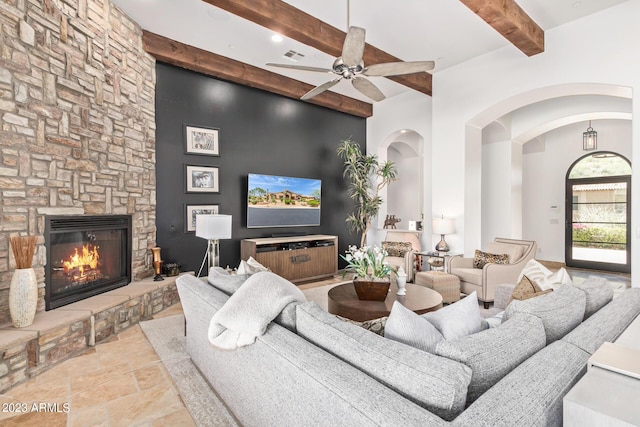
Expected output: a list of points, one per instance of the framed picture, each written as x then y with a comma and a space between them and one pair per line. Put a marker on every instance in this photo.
202, 179
190, 215
202, 140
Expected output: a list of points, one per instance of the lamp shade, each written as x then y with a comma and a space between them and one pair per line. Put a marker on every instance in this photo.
443, 226
212, 227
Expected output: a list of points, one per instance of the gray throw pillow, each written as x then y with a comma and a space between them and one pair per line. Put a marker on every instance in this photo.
409, 328
560, 311
459, 319
598, 292
220, 279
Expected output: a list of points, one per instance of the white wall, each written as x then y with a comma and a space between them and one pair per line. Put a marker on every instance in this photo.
409, 111
544, 174
598, 49
402, 198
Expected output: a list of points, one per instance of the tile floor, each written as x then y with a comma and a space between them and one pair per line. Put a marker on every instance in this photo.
101, 388
119, 382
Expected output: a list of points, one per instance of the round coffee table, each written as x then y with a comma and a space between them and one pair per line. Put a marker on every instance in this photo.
344, 302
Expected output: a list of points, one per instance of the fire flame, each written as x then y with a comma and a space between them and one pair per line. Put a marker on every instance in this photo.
89, 258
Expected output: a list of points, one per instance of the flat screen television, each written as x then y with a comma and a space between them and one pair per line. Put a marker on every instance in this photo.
282, 201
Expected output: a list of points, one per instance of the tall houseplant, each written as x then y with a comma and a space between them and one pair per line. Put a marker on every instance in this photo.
367, 178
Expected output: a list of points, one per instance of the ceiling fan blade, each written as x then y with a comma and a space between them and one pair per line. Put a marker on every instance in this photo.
353, 46
398, 68
300, 67
319, 89
367, 88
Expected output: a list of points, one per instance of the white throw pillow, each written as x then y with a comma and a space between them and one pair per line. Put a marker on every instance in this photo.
543, 277
407, 327
459, 319
250, 266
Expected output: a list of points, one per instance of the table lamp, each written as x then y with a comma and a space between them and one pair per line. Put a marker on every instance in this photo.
213, 228
443, 226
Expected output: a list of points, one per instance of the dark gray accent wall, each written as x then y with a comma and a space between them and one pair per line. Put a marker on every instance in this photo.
259, 132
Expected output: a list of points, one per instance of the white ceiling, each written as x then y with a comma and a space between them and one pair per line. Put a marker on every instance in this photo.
444, 31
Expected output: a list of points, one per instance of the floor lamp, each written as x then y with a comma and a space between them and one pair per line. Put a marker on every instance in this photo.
213, 228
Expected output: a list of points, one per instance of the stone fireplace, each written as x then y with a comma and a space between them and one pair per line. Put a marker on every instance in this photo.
86, 255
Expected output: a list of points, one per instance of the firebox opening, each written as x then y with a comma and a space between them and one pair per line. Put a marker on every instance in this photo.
86, 256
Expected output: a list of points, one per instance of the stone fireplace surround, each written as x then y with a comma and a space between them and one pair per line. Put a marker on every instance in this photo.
77, 110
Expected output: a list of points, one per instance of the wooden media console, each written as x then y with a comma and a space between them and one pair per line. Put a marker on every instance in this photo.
297, 259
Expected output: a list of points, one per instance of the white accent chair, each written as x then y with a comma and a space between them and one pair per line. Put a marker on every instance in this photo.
408, 261
485, 280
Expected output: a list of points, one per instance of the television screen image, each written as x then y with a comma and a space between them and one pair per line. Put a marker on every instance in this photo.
281, 201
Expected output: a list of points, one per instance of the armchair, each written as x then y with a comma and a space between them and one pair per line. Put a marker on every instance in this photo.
407, 261
486, 279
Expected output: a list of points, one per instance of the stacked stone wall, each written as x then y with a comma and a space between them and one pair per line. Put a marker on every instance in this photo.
77, 116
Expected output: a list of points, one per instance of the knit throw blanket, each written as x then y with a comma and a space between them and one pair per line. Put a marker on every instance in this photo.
248, 312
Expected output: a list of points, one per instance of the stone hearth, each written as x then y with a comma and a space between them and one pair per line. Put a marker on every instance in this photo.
59, 334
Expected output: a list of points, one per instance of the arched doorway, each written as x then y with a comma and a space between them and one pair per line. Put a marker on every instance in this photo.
598, 213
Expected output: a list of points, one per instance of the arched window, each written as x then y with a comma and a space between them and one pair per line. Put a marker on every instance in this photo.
598, 213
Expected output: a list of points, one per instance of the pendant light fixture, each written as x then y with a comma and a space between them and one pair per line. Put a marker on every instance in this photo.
590, 139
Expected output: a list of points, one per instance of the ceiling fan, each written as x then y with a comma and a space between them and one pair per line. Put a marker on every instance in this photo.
349, 66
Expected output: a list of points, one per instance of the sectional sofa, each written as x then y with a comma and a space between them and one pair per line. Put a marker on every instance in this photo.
311, 368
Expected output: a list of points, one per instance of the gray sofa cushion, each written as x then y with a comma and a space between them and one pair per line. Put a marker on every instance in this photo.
409, 328
433, 382
493, 353
227, 283
598, 293
608, 323
560, 311
531, 394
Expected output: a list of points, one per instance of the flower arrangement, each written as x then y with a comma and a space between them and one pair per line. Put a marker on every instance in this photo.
367, 262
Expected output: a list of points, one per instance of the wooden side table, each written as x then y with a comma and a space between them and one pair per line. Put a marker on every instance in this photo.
343, 301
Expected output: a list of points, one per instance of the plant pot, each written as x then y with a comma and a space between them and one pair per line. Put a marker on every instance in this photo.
371, 290
23, 297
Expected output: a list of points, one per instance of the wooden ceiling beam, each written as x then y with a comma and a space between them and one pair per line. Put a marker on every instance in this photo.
507, 18
288, 21
202, 61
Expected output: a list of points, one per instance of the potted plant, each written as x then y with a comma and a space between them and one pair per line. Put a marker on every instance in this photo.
371, 280
367, 178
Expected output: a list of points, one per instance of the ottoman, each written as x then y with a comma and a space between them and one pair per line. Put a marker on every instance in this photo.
447, 285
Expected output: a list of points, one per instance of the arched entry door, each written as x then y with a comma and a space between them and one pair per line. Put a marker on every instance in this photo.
598, 213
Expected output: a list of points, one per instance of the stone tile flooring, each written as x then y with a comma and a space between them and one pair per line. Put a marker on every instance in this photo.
119, 382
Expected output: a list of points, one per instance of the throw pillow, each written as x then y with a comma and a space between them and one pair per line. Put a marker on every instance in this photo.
480, 259
228, 283
543, 277
397, 249
526, 289
250, 266
409, 328
514, 251
375, 325
458, 319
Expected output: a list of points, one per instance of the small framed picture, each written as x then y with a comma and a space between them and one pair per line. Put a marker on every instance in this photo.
202, 140
190, 215
202, 179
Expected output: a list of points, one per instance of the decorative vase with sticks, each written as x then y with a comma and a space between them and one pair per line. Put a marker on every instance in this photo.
23, 289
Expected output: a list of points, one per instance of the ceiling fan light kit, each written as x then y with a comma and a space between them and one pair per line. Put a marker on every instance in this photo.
349, 66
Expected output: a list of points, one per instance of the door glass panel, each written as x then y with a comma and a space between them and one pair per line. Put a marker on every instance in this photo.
599, 222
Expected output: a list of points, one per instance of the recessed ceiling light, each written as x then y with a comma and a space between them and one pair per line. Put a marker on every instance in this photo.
276, 38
